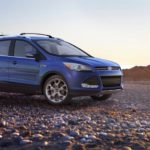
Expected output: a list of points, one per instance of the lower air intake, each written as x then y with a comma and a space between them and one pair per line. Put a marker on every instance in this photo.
111, 81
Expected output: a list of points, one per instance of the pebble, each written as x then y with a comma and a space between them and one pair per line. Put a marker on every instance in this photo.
87, 118
105, 136
43, 126
127, 148
9, 130
46, 143
83, 140
23, 142
111, 135
141, 129
132, 125
68, 138
148, 148
74, 133
144, 122
103, 133
37, 136
73, 122
3, 123
146, 126
124, 125
23, 127
15, 134
57, 136
111, 120
26, 133
138, 124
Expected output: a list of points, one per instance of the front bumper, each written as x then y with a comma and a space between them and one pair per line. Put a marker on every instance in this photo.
78, 78
92, 92
111, 91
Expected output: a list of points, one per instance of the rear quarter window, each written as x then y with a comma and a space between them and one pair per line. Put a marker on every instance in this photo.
4, 47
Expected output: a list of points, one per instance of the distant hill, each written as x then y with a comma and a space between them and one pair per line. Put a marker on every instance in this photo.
137, 73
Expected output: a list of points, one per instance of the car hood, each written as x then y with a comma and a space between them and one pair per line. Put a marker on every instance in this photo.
94, 62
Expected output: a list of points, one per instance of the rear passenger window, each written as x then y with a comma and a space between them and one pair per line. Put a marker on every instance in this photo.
22, 48
4, 47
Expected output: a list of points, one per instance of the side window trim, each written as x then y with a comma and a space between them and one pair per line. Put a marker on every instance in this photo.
13, 49
4, 40
13, 52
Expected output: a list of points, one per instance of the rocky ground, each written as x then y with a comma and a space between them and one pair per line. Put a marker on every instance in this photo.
120, 123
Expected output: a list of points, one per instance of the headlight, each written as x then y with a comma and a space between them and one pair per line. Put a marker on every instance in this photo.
77, 67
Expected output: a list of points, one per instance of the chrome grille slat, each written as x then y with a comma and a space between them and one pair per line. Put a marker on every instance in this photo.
101, 68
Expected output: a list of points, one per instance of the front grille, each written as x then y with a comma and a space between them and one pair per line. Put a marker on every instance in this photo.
111, 81
107, 68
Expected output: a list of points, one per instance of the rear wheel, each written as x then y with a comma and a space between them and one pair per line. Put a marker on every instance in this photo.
56, 90
101, 97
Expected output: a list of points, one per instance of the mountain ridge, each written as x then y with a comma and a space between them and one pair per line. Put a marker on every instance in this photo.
137, 73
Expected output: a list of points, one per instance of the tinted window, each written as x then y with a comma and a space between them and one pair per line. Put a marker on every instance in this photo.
4, 47
22, 48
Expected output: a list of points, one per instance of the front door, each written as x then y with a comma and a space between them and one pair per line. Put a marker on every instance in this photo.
23, 70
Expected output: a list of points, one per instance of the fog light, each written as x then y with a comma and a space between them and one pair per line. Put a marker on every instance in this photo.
85, 85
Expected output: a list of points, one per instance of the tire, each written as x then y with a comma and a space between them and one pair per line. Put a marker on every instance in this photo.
101, 97
56, 90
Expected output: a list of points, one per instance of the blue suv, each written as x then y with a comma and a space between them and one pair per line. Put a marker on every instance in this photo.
37, 63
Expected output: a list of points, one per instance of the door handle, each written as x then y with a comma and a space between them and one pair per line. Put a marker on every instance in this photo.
14, 62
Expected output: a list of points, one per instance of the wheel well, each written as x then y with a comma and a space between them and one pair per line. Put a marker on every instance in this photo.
45, 78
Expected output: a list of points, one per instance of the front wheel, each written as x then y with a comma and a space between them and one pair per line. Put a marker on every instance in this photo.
101, 97
56, 90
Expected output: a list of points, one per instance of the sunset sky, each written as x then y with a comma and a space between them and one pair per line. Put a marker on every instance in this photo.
118, 30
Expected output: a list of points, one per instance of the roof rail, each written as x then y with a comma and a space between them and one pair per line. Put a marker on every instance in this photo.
37, 34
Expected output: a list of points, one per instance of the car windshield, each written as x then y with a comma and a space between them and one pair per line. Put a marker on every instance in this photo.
61, 48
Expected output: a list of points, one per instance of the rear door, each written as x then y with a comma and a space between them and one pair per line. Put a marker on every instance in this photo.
23, 70
4, 60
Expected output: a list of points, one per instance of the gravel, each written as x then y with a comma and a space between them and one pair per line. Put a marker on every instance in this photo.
121, 122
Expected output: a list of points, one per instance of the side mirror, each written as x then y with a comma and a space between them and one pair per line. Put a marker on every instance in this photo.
31, 55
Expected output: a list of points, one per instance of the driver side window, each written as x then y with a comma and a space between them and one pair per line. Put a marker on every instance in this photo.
22, 48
